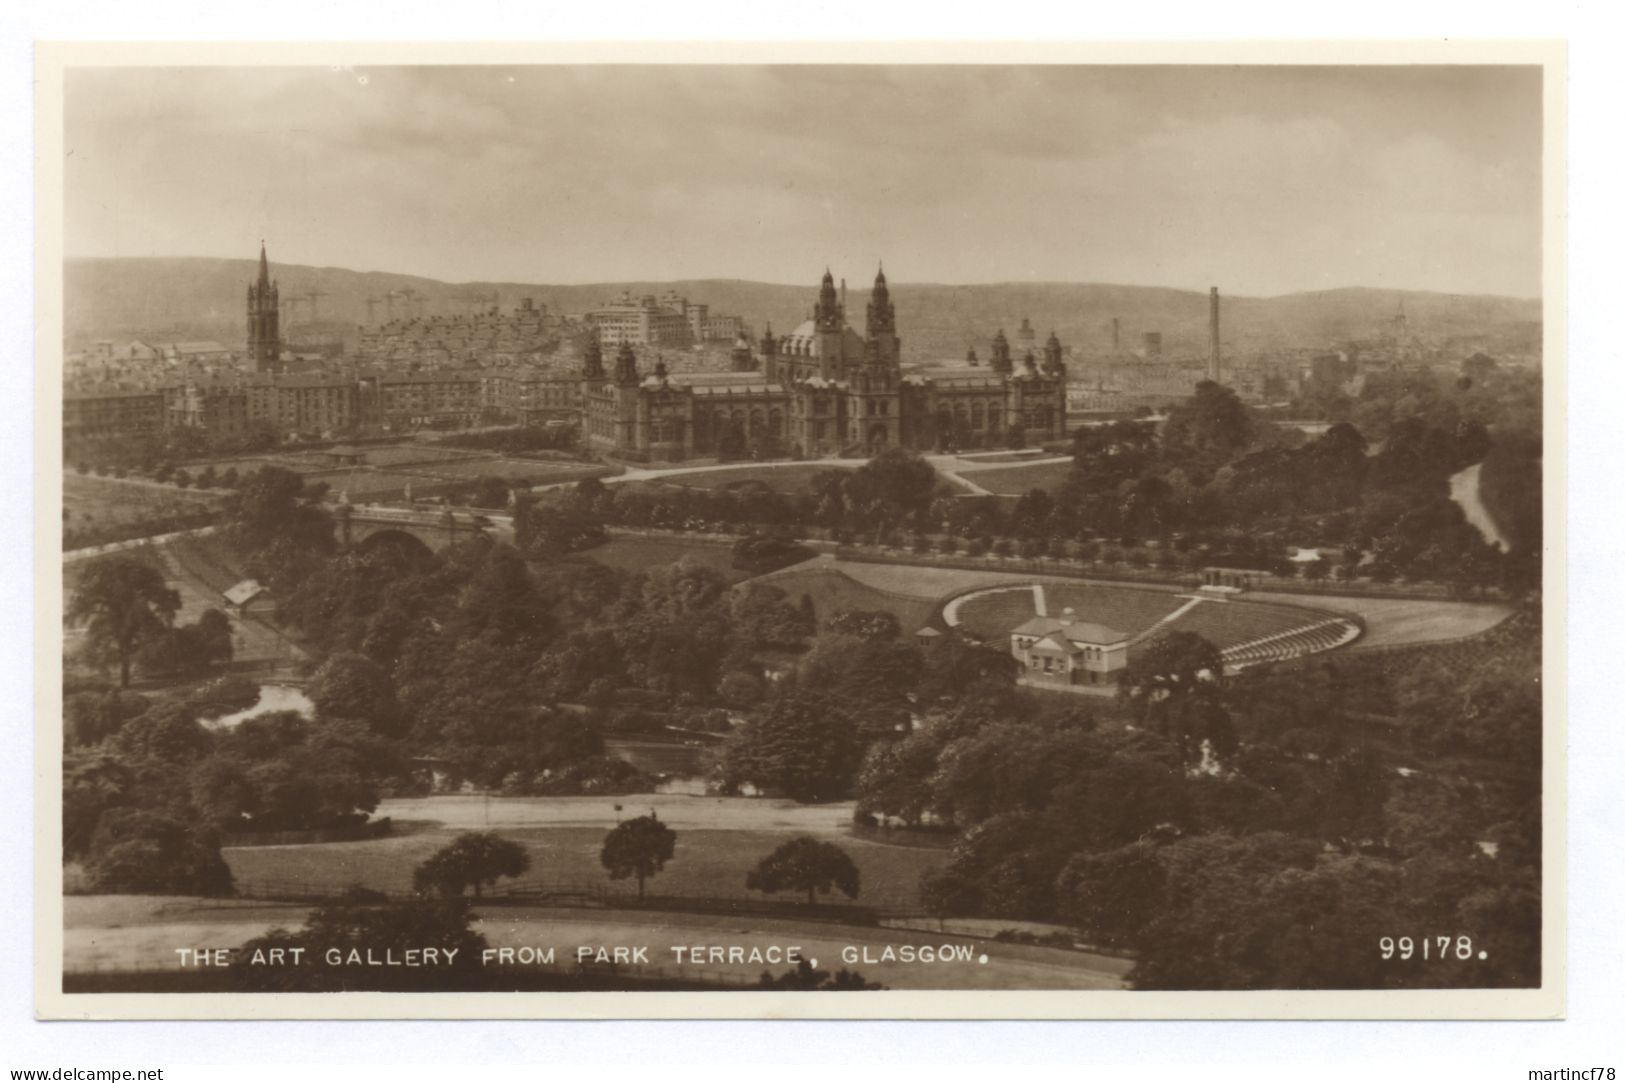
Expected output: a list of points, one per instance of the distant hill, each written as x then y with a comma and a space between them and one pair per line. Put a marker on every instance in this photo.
179, 299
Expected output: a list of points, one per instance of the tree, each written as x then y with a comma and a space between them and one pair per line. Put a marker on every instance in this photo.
122, 602
489, 492
1212, 424
639, 847
272, 505
1175, 683
473, 860
145, 852
805, 864
806, 746
354, 686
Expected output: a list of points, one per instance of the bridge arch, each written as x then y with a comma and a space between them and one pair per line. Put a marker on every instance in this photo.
403, 541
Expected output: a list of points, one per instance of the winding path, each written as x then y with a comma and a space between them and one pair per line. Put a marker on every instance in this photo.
1464, 491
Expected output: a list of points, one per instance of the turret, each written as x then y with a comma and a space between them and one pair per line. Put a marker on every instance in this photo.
881, 327
882, 313
1001, 353
1053, 365
770, 355
626, 365
592, 362
827, 315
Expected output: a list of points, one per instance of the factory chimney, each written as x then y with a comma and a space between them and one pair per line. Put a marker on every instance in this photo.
1213, 334
1116, 348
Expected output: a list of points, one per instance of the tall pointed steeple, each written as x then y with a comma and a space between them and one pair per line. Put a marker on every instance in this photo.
264, 320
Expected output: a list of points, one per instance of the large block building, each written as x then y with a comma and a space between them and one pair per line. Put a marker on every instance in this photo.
821, 389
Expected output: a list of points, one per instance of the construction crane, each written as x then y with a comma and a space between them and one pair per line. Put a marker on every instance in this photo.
414, 304
372, 309
312, 297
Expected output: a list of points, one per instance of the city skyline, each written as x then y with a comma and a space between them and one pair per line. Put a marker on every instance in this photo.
1424, 178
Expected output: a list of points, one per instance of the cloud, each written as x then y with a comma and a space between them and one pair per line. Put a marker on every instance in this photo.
1263, 179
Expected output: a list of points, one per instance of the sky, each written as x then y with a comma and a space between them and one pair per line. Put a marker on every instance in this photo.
1262, 180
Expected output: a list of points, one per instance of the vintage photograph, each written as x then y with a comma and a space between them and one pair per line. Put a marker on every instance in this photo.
770, 527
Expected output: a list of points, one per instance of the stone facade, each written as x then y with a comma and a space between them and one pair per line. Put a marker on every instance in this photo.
821, 389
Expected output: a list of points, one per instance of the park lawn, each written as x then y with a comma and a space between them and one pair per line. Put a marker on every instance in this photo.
710, 863
636, 554
832, 591
781, 478
992, 617
99, 503
1392, 621
1018, 480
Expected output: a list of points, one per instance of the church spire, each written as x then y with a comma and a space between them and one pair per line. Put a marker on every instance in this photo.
265, 267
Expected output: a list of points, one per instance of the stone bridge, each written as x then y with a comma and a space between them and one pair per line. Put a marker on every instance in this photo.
365, 526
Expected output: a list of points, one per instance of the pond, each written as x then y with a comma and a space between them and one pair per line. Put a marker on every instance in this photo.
273, 697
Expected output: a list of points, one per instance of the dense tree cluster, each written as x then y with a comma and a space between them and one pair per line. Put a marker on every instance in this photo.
1258, 832
148, 790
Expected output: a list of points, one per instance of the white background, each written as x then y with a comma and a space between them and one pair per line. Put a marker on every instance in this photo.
1591, 1036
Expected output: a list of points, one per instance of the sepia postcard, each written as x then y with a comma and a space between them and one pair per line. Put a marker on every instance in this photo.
800, 531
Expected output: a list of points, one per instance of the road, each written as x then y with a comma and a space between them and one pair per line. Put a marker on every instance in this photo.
676, 810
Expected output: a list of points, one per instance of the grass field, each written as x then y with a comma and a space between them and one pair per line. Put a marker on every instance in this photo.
636, 554
92, 503
833, 591
707, 862
1393, 621
1017, 480
468, 469
783, 478
787, 478
1229, 623
992, 616
361, 482
1225, 624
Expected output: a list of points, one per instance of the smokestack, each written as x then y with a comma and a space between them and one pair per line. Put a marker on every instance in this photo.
843, 296
1213, 334
1116, 349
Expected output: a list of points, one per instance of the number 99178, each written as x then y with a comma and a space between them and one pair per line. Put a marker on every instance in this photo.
1427, 947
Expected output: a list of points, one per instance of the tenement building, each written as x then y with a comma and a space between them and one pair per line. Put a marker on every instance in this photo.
821, 389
